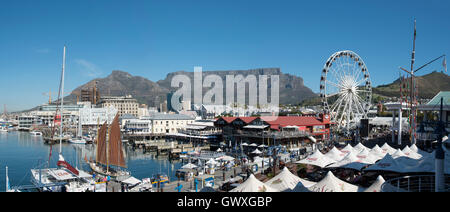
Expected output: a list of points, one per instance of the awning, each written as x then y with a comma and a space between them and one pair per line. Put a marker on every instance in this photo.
132, 181
255, 127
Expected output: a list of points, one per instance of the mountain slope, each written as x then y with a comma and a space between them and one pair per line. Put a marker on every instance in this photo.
428, 85
119, 83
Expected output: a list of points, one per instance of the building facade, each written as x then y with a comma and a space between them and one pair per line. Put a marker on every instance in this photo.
123, 104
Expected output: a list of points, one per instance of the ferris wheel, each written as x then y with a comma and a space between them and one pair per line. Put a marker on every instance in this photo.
345, 89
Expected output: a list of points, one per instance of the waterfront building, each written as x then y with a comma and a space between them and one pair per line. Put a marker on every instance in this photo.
290, 131
137, 126
163, 123
124, 104
26, 122
91, 117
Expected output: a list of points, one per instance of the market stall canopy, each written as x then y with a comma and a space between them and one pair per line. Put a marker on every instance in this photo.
366, 157
256, 151
398, 154
347, 149
131, 181
376, 186
410, 153
219, 150
262, 146
253, 144
225, 158
253, 185
377, 152
360, 147
286, 181
335, 154
333, 184
385, 164
212, 162
350, 161
244, 144
388, 149
189, 166
317, 159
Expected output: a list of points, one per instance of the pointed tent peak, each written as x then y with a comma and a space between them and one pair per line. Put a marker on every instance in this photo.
406, 149
359, 146
398, 153
364, 152
387, 149
252, 184
376, 186
300, 188
414, 148
348, 148
285, 169
380, 178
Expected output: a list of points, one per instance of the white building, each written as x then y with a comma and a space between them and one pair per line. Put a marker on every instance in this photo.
94, 116
168, 123
124, 104
137, 126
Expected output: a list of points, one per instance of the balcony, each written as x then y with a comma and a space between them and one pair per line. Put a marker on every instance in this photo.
418, 183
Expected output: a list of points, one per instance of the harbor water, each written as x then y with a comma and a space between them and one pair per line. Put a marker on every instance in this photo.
21, 151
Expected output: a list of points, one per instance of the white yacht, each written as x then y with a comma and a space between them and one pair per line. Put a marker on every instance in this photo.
3, 130
36, 133
54, 179
77, 141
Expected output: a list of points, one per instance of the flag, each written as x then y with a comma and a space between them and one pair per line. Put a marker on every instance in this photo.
444, 63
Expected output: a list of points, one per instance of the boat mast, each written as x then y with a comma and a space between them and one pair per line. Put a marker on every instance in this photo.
107, 149
62, 101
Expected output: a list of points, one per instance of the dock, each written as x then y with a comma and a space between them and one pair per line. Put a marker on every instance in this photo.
171, 148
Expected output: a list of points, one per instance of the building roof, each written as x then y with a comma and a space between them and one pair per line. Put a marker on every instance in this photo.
166, 116
437, 99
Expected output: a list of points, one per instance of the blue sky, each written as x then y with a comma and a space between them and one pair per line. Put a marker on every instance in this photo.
152, 38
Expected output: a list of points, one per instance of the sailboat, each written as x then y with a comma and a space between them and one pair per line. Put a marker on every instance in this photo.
109, 152
64, 177
78, 139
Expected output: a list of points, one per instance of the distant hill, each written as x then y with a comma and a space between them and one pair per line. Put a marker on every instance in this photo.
428, 85
118, 83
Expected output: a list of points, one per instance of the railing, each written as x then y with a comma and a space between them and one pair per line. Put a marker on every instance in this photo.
417, 183
282, 134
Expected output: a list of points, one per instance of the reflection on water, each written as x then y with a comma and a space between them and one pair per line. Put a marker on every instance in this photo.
21, 152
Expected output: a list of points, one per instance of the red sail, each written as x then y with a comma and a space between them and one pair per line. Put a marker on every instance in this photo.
101, 145
68, 166
116, 156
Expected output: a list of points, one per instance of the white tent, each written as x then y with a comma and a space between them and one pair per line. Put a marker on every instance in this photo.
398, 154
244, 144
333, 184
219, 150
225, 158
335, 154
350, 161
286, 181
253, 144
132, 181
347, 149
366, 157
377, 152
253, 185
212, 162
414, 148
386, 164
256, 152
376, 186
410, 153
317, 159
360, 147
189, 166
388, 149
262, 146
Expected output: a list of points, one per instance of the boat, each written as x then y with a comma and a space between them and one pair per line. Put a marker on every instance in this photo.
78, 139
36, 133
3, 130
109, 157
64, 177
